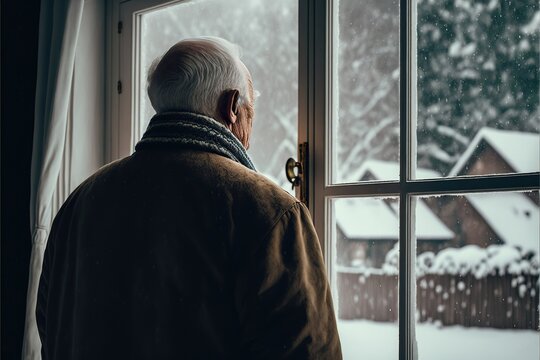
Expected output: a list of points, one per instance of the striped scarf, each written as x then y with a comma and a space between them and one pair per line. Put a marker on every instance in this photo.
193, 131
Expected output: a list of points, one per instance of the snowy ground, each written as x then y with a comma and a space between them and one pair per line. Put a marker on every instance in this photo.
373, 341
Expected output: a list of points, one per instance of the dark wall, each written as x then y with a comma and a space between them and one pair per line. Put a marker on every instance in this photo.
20, 21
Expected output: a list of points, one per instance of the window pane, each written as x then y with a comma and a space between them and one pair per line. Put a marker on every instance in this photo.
365, 130
477, 86
477, 271
267, 31
365, 243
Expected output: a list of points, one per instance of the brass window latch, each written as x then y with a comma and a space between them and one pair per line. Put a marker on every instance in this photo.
297, 173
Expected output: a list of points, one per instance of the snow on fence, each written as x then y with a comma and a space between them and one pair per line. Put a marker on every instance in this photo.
496, 287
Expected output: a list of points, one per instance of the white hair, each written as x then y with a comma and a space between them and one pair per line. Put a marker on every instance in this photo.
193, 73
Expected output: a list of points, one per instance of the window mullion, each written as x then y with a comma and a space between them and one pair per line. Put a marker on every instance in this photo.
407, 283
406, 240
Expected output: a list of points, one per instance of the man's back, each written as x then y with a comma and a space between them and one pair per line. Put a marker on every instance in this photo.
183, 254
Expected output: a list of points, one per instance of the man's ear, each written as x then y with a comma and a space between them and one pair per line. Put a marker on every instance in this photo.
229, 106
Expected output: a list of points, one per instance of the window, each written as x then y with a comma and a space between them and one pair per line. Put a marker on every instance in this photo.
430, 103
272, 60
422, 119
273, 63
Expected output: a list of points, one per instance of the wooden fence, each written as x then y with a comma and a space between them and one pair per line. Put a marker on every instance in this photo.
507, 301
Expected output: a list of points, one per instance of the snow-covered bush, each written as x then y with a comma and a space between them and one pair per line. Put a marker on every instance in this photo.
424, 262
470, 259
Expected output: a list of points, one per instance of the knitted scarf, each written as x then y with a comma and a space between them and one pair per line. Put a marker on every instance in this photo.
188, 130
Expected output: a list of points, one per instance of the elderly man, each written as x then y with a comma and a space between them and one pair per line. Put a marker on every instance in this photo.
182, 250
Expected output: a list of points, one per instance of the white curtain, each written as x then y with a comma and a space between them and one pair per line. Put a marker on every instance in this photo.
60, 21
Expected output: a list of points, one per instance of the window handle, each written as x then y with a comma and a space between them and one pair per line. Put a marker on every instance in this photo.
292, 175
296, 172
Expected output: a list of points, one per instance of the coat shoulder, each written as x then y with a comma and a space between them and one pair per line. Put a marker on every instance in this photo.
259, 186
252, 189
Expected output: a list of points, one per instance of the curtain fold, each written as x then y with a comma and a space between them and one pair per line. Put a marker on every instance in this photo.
60, 21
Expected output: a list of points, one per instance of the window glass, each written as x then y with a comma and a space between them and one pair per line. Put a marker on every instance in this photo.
477, 87
267, 32
364, 242
477, 271
365, 129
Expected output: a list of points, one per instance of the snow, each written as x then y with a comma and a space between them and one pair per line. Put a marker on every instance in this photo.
489, 65
459, 261
524, 45
468, 49
499, 259
456, 49
436, 152
453, 133
366, 218
372, 219
462, 4
469, 259
522, 290
361, 339
520, 150
424, 262
468, 74
493, 4
428, 225
533, 26
513, 217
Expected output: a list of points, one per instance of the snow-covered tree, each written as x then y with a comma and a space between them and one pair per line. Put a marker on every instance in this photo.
368, 83
478, 65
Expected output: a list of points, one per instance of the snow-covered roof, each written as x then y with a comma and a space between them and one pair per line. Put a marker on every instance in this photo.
513, 217
373, 219
386, 170
521, 150
366, 218
428, 226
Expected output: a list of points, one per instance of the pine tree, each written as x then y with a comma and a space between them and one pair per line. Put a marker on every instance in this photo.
478, 65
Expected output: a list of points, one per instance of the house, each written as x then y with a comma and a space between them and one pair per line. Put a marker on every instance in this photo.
494, 151
367, 228
511, 217
494, 218
447, 220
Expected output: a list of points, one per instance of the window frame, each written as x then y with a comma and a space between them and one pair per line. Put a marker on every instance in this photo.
123, 55
317, 21
122, 77
407, 188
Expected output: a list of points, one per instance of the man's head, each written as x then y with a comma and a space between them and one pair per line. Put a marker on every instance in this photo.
204, 75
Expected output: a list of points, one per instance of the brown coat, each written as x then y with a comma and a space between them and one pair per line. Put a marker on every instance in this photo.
188, 255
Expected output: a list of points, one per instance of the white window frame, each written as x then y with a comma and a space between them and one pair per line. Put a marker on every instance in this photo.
315, 114
122, 93
123, 58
